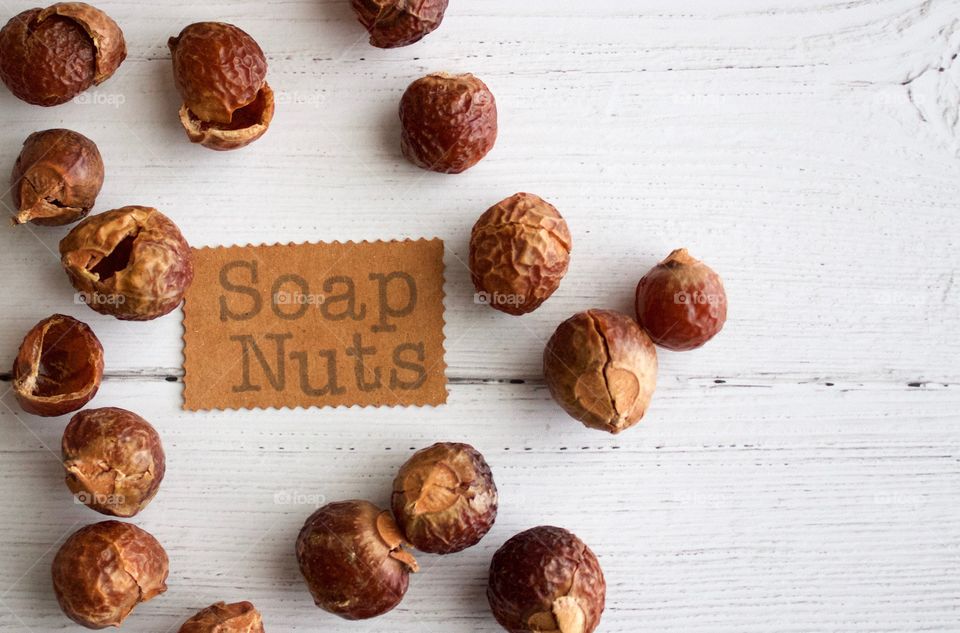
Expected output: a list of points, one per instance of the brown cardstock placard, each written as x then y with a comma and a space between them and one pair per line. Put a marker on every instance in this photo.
315, 325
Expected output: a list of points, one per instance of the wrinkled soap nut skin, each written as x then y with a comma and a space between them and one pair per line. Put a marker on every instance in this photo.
58, 368
239, 617
394, 23
132, 263
104, 570
352, 558
449, 122
49, 56
444, 498
546, 580
220, 72
56, 178
601, 367
113, 459
519, 253
681, 302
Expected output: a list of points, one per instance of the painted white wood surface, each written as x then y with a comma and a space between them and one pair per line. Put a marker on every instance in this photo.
801, 473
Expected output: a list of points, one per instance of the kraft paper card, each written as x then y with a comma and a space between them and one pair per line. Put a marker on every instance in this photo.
315, 325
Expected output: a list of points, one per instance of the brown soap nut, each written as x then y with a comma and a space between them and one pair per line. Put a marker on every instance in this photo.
681, 302
132, 263
49, 56
104, 570
239, 617
58, 368
519, 253
546, 580
449, 122
601, 367
114, 460
352, 558
220, 72
444, 498
394, 23
56, 178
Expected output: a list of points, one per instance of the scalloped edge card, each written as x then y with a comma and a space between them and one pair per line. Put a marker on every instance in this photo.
315, 325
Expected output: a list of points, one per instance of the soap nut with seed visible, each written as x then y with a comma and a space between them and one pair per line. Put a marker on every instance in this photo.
444, 498
103, 571
352, 558
681, 302
132, 263
449, 122
114, 460
601, 367
220, 72
519, 253
239, 617
49, 56
56, 178
546, 580
58, 368
393, 23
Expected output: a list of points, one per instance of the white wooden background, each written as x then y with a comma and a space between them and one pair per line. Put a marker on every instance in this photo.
801, 473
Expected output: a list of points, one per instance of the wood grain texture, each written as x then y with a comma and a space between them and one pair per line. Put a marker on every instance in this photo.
800, 474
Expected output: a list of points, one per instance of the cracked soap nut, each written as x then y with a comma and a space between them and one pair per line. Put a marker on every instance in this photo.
601, 367
519, 253
681, 302
132, 263
49, 56
449, 122
444, 498
56, 178
106, 569
114, 460
220, 73
239, 617
394, 23
546, 580
352, 558
58, 368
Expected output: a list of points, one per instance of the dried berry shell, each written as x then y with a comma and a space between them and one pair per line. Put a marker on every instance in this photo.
393, 23
49, 56
546, 580
132, 263
58, 368
220, 72
239, 617
681, 302
449, 122
103, 571
444, 498
114, 460
56, 178
352, 558
519, 253
601, 367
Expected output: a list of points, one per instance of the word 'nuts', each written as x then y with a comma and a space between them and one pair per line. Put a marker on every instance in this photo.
49, 56
220, 72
